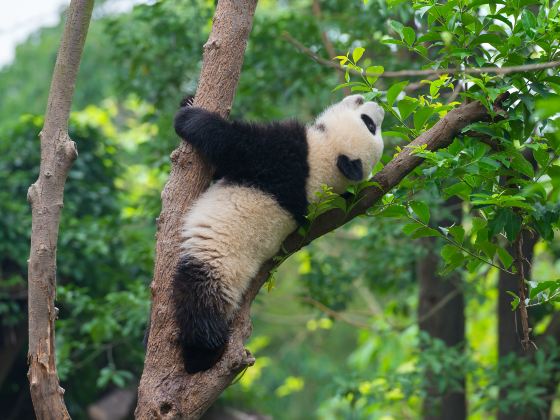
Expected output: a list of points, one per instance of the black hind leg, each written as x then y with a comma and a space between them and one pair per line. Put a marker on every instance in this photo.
203, 314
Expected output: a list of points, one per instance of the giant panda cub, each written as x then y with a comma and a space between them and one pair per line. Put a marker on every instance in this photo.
267, 174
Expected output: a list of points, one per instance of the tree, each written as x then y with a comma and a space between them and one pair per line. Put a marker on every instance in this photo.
45, 196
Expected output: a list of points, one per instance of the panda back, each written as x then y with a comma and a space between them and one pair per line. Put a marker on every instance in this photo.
272, 158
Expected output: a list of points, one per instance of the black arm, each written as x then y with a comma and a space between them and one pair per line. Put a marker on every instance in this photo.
207, 132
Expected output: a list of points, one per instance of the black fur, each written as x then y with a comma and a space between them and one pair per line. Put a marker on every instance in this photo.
271, 157
351, 169
201, 314
369, 124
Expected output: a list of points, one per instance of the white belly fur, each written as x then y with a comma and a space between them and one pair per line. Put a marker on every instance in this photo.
234, 229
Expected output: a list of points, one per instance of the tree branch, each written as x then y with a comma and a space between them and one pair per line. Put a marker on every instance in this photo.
521, 288
420, 73
166, 391
58, 152
329, 47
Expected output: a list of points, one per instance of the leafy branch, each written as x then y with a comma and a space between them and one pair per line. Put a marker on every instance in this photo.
420, 73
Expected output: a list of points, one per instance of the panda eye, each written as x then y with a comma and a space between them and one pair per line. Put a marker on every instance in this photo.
369, 123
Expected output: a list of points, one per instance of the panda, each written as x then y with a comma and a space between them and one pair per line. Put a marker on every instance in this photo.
266, 176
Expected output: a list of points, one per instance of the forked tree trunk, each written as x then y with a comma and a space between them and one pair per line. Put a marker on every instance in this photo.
58, 152
166, 390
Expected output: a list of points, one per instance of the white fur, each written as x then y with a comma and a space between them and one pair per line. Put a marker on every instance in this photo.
234, 229
345, 133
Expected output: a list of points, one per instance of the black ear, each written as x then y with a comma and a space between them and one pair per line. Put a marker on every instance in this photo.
351, 169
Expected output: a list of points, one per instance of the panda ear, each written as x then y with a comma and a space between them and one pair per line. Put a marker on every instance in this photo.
351, 169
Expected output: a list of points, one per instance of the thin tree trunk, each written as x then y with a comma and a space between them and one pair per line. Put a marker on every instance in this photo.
509, 333
509, 325
166, 390
58, 152
446, 324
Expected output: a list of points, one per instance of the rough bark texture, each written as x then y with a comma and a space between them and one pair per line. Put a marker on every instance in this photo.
46, 199
509, 332
165, 390
447, 323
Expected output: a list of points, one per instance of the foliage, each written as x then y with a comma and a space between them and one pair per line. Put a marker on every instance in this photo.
509, 186
104, 256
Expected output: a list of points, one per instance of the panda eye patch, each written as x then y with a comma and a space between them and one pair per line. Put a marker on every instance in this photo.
369, 123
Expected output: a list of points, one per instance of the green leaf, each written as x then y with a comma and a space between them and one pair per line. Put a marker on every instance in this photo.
421, 210
506, 220
541, 156
492, 39
515, 301
522, 165
421, 116
458, 233
478, 223
447, 252
551, 285
406, 106
394, 91
410, 228
504, 257
393, 3
453, 258
357, 54
548, 107
459, 189
398, 27
408, 35
395, 210
376, 70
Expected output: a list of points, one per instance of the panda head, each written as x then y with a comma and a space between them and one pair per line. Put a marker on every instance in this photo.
344, 144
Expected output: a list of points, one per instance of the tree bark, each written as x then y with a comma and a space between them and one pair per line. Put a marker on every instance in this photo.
166, 390
509, 329
446, 324
58, 152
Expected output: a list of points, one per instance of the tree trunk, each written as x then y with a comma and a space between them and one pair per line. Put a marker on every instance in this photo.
166, 390
508, 328
509, 325
46, 199
441, 313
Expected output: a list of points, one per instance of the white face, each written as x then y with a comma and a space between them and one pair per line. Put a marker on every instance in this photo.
345, 143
